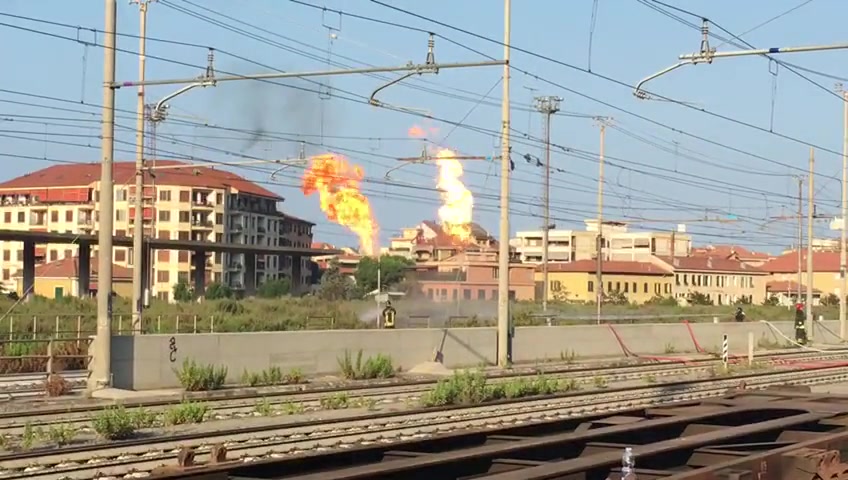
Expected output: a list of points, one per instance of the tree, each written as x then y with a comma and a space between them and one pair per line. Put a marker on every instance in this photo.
334, 285
392, 271
182, 292
615, 298
217, 291
830, 300
698, 298
771, 301
274, 288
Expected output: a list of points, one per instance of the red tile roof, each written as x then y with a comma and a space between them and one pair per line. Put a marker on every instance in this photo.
788, 263
69, 268
701, 263
728, 250
610, 267
787, 287
84, 174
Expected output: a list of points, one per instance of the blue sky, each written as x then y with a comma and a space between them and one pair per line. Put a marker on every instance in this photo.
656, 176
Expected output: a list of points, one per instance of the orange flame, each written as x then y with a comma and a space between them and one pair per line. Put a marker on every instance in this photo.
337, 184
457, 201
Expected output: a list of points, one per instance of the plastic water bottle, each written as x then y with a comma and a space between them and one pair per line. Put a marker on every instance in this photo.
627, 462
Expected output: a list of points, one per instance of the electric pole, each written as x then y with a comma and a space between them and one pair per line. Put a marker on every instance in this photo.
810, 216
547, 106
843, 261
101, 364
503, 250
599, 244
800, 236
138, 203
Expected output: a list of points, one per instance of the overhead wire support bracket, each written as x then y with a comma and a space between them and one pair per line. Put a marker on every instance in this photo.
429, 66
707, 54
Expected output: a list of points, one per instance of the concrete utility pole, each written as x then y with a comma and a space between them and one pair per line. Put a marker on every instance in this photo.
503, 250
138, 203
547, 106
843, 260
599, 243
101, 363
810, 215
800, 236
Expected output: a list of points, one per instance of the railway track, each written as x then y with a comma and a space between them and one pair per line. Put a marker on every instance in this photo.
32, 384
772, 434
273, 443
373, 395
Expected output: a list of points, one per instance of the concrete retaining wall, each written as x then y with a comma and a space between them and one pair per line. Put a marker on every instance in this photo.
145, 361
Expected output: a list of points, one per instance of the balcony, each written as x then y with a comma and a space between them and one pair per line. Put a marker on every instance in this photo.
201, 204
236, 228
85, 224
234, 266
202, 224
440, 276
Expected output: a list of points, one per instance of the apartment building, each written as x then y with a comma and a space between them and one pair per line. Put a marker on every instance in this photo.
428, 241
724, 281
619, 244
191, 203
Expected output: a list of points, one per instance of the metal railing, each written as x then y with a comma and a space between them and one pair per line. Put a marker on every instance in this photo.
22, 356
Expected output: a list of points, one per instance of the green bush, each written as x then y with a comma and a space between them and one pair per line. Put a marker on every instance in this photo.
195, 378
373, 367
114, 423
472, 388
186, 412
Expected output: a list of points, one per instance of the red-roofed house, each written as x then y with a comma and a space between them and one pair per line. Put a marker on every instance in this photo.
190, 203
428, 242
61, 279
825, 270
786, 292
735, 252
470, 275
725, 281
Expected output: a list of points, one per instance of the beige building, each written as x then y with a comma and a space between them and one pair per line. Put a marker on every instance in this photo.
724, 281
196, 203
619, 244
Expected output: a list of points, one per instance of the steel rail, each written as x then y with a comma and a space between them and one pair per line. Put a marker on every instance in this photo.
287, 392
728, 435
142, 454
393, 394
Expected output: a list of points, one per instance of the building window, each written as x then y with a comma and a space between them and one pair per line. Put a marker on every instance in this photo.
21, 217
219, 238
667, 288
677, 279
182, 256
495, 272
7, 254
185, 196
466, 294
645, 287
164, 235
626, 287
164, 215
185, 217
69, 215
219, 198
163, 255
120, 255
164, 195
453, 294
54, 216
120, 233
120, 215
657, 289
481, 294
182, 277
162, 276
6, 274
183, 235
590, 286
7, 217
121, 195
556, 286
634, 288
219, 218
54, 255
